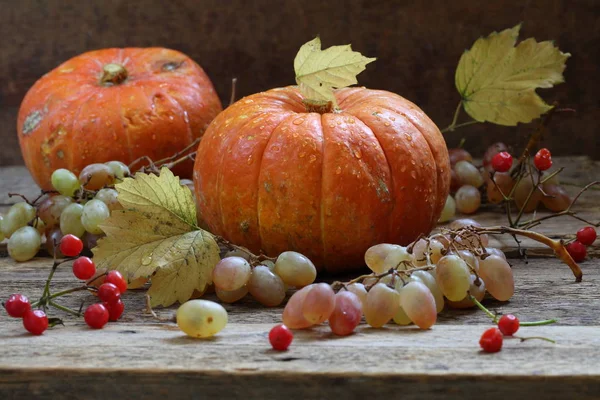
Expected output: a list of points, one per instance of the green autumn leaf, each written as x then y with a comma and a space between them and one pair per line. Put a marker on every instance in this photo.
318, 71
157, 231
497, 80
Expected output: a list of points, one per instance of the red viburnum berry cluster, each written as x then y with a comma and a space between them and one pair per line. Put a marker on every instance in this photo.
578, 248
96, 315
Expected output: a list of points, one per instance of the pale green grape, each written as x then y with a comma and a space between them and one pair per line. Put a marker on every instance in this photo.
468, 199
70, 220
359, 290
201, 318
401, 318
231, 296
452, 276
420, 250
231, 273
498, 277
468, 257
266, 287
397, 259
295, 269
109, 197
318, 303
449, 210
376, 255
429, 281
495, 252
1, 233
65, 182
94, 213
24, 243
269, 264
18, 215
118, 169
50, 209
96, 176
419, 305
381, 305
39, 225
477, 291
468, 174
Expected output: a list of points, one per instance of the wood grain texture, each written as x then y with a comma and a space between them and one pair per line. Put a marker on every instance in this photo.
417, 44
140, 358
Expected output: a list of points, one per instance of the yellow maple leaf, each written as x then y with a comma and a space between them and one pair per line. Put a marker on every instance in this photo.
156, 236
497, 80
318, 71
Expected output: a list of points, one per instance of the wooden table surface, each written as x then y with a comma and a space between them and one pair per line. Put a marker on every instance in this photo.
139, 357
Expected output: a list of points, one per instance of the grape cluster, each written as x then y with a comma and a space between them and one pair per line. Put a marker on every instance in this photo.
77, 207
498, 179
408, 284
240, 273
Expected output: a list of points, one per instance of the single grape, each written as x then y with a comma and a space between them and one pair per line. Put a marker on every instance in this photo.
495, 252
346, 314
231, 273
293, 316
17, 305
521, 195
502, 187
359, 290
1, 232
468, 174
266, 287
586, 236
71, 245
84, 268
115, 309
118, 169
449, 210
468, 199
109, 197
201, 318
35, 321
96, 316
459, 154
318, 303
473, 240
557, 199
237, 253
397, 259
381, 305
51, 209
429, 280
376, 255
400, 318
94, 213
24, 244
65, 182
491, 340
53, 236
543, 159
454, 181
96, 176
468, 257
70, 220
269, 264
452, 277
280, 337
18, 216
478, 291
231, 296
90, 240
498, 277
490, 152
295, 269
419, 304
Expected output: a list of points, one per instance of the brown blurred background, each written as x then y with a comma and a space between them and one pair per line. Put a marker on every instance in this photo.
417, 43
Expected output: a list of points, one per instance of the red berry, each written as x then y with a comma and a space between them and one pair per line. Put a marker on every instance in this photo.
17, 305
96, 316
577, 250
586, 235
115, 309
508, 324
117, 279
491, 340
109, 292
543, 159
71, 245
84, 268
502, 161
280, 337
35, 321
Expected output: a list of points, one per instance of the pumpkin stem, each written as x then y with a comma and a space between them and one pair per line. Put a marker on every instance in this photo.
113, 74
318, 106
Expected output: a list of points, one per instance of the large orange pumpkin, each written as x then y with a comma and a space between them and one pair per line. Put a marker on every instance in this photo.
114, 104
269, 175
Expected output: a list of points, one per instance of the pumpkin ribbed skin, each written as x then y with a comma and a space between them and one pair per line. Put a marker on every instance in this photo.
270, 176
69, 119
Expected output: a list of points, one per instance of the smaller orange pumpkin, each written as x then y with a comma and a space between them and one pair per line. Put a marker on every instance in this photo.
114, 104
